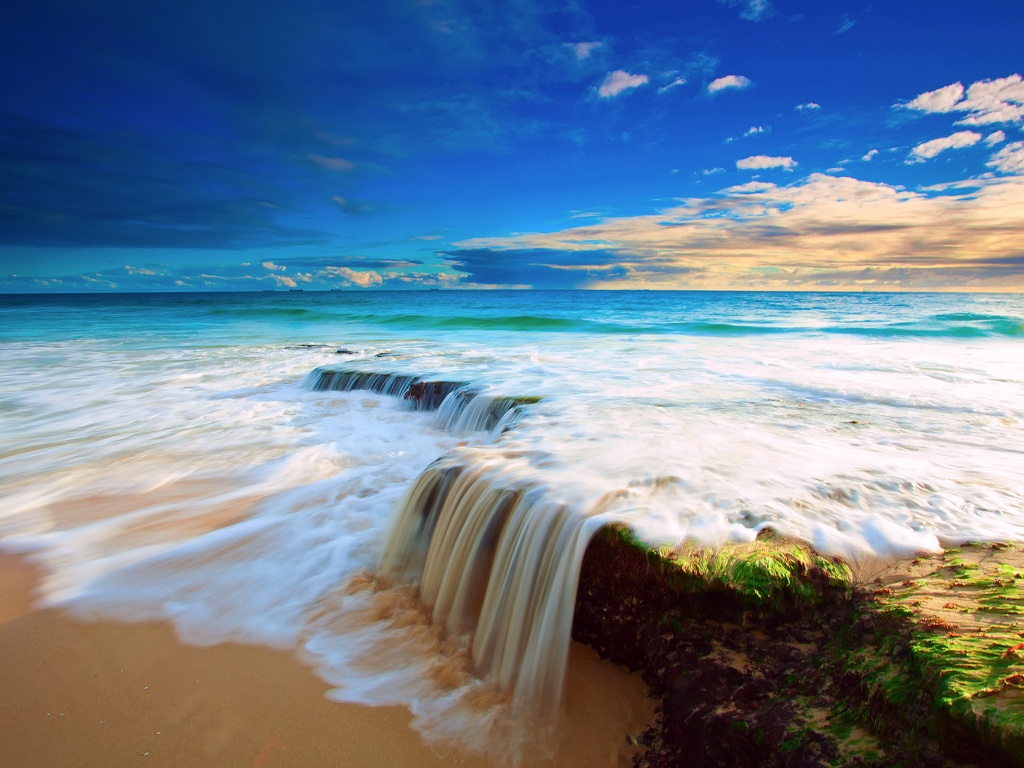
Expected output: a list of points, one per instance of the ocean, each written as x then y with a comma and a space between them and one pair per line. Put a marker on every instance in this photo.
309, 470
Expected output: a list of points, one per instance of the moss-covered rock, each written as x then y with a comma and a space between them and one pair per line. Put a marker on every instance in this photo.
768, 654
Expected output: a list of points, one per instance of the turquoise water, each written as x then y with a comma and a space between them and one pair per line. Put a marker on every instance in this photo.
162, 456
271, 316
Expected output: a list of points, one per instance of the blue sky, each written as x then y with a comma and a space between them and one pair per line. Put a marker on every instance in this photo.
744, 144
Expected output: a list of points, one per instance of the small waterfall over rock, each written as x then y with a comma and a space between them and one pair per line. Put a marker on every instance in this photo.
461, 407
497, 559
494, 553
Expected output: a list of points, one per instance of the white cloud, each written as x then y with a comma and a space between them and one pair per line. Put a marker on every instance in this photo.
994, 101
283, 282
751, 10
930, 149
272, 266
758, 162
1009, 159
939, 100
729, 81
871, 153
810, 106
713, 171
750, 188
331, 163
986, 101
583, 50
677, 82
996, 137
362, 278
618, 81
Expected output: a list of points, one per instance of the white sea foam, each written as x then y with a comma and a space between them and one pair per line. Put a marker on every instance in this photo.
201, 484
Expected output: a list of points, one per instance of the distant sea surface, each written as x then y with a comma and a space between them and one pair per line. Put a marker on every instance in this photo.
162, 458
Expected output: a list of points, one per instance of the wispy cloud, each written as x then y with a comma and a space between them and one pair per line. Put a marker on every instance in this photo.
1009, 159
751, 10
332, 163
674, 84
870, 154
929, 149
348, 205
759, 162
712, 171
845, 25
986, 102
750, 188
810, 106
821, 232
737, 82
583, 50
618, 81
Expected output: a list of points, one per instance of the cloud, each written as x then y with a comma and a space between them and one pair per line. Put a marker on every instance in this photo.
712, 171
939, 100
751, 10
810, 106
1009, 159
551, 268
847, 23
750, 188
871, 153
583, 50
618, 81
738, 82
930, 149
362, 278
283, 281
348, 205
986, 101
331, 163
996, 137
758, 162
752, 131
675, 83
273, 267
820, 232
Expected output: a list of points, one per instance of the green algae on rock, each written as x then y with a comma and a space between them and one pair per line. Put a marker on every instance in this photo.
950, 628
768, 654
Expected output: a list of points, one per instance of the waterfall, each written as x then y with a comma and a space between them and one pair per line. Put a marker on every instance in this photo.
497, 560
461, 407
494, 554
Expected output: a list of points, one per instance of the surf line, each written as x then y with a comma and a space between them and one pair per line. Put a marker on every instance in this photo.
492, 555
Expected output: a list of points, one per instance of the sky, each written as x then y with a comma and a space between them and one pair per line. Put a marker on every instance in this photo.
692, 144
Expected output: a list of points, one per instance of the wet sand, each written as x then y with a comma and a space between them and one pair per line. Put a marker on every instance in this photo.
106, 694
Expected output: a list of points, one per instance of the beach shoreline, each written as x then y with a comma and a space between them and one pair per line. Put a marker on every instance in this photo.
104, 693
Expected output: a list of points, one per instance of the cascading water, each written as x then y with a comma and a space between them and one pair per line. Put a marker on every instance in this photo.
495, 557
461, 408
498, 560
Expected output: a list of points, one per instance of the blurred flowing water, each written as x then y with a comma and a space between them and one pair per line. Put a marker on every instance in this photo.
170, 456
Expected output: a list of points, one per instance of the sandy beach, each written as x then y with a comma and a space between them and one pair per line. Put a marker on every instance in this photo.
76, 693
